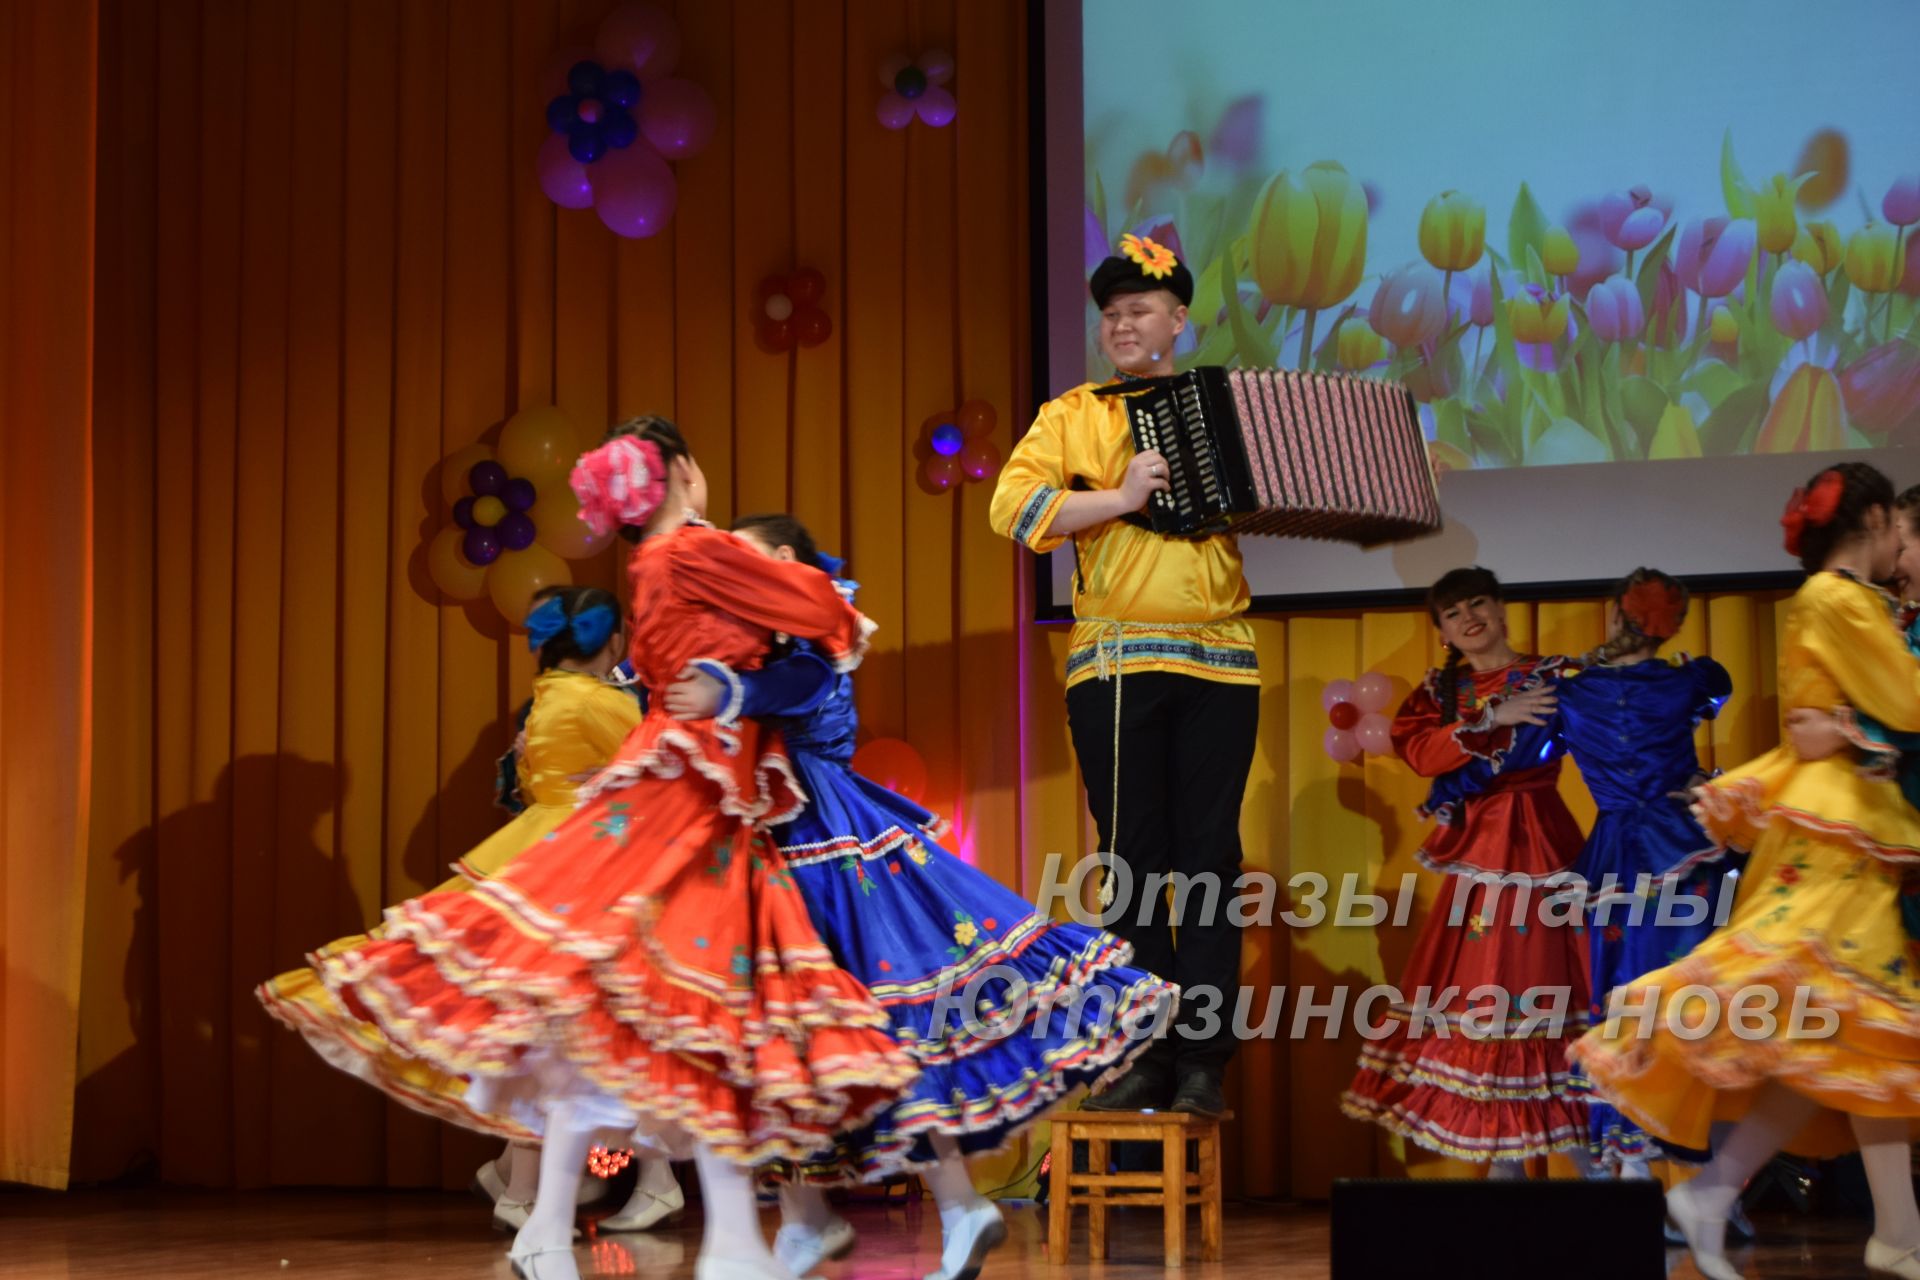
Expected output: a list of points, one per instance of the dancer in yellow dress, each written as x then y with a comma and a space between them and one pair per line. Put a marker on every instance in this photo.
576, 723
1816, 928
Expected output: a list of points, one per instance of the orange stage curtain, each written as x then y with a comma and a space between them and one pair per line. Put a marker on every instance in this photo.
46, 593
325, 263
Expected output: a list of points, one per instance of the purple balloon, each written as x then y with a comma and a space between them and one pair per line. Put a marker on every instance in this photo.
563, 178
487, 479
515, 530
947, 439
482, 546
463, 513
676, 116
519, 494
634, 192
936, 107
893, 111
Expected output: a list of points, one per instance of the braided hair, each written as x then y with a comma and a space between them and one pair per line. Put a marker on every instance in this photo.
1651, 606
1453, 587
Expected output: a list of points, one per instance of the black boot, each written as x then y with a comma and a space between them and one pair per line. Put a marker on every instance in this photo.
1147, 1087
1199, 1094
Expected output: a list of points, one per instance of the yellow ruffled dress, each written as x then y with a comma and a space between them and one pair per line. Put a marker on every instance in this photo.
577, 723
1817, 912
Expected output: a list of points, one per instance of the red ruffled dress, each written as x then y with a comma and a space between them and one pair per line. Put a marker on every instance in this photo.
651, 961
1478, 1080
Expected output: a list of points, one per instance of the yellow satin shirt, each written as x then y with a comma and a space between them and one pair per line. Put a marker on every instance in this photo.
1194, 589
578, 721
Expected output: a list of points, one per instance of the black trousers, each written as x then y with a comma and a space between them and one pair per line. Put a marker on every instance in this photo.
1186, 747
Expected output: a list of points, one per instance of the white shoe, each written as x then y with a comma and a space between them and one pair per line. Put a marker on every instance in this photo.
705, 1268
965, 1248
488, 1184
1694, 1225
511, 1215
644, 1211
545, 1264
800, 1250
1885, 1260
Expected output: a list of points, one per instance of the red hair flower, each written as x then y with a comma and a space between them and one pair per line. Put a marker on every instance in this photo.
1812, 508
1824, 499
1655, 609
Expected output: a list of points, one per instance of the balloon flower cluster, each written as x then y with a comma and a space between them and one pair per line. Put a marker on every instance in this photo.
1356, 716
516, 523
617, 121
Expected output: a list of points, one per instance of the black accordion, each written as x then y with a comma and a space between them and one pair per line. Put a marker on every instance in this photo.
1296, 455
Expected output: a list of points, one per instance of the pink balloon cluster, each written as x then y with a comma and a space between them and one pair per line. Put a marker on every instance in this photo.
632, 188
1356, 714
957, 445
916, 87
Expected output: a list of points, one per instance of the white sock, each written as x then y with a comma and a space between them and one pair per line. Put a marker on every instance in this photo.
1636, 1168
733, 1218
1507, 1171
1776, 1115
550, 1225
948, 1179
1888, 1157
523, 1173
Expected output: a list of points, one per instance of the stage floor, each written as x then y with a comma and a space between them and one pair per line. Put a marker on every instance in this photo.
419, 1236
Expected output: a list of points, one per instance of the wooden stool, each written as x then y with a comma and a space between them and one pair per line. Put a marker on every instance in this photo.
1173, 1188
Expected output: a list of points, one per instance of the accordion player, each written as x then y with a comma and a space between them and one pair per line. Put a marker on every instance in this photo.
1284, 453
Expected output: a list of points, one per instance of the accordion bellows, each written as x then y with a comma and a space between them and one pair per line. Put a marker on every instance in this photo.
1283, 453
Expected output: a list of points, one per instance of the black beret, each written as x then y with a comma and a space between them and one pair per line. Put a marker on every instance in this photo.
1142, 267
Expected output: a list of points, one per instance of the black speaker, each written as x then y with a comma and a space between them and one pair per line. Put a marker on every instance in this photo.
1505, 1230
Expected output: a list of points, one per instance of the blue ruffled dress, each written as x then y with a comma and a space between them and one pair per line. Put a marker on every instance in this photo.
914, 922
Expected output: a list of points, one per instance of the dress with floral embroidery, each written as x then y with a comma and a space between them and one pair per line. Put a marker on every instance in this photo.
1472, 1062
915, 923
1655, 884
649, 962
1816, 925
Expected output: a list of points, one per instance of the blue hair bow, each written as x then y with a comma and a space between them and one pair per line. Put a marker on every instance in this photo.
591, 627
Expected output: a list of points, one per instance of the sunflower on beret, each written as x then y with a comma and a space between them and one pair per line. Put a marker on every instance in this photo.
1154, 259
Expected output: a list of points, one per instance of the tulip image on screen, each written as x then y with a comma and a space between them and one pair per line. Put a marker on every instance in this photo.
1579, 234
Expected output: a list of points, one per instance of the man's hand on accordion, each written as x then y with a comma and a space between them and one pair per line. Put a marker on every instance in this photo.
1146, 476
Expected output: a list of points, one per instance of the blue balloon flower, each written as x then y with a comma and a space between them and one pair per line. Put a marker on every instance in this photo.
619, 128
622, 89
561, 113
586, 79
585, 143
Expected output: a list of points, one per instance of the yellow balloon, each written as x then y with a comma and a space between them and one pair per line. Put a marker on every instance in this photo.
560, 528
541, 443
454, 468
516, 575
451, 571
488, 511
